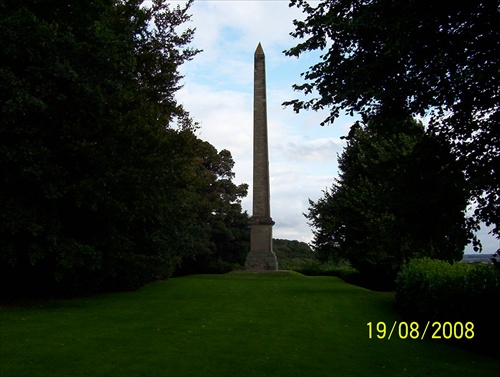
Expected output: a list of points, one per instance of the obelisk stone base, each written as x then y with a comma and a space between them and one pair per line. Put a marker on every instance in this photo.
261, 255
261, 260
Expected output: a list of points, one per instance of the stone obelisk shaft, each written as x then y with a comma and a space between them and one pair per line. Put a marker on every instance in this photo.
261, 192
261, 256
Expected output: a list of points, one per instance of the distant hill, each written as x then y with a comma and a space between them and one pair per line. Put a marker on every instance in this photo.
477, 258
292, 249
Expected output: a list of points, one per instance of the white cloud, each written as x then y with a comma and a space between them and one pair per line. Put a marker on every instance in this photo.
224, 115
239, 25
314, 150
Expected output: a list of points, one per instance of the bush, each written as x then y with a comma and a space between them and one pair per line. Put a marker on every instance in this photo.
434, 290
311, 267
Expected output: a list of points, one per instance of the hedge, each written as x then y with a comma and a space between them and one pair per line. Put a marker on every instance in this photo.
434, 290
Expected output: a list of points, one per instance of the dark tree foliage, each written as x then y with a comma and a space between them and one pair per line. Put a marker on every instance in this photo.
399, 196
221, 240
408, 58
97, 190
292, 249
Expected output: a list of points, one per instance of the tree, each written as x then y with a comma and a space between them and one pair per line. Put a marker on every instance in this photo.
91, 176
399, 195
220, 235
293, 254
292, 249
408, 58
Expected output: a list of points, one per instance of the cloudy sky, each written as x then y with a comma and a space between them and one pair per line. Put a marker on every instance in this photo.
218, 93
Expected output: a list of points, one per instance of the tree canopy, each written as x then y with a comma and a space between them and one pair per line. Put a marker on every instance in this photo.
104, 184
399, 196
288, 249
401, 59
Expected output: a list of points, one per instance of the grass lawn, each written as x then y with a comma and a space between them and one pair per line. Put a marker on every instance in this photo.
224, 325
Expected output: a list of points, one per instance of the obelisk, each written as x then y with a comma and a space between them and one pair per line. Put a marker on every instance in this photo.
261, 255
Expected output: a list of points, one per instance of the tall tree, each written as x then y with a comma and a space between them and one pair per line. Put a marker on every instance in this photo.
220, 237
90, 172
413, 57
399, 195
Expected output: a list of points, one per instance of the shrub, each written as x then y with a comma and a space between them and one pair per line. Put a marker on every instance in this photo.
300, 265
434, 290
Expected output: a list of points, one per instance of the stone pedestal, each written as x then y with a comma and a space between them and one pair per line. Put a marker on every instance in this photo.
261, 256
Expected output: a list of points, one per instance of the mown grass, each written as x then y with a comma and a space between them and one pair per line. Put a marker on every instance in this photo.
224, 325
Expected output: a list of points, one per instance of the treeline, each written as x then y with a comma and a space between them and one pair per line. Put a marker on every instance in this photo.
293, 255
104, 184
291, 249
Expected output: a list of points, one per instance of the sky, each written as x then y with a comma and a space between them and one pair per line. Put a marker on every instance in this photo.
218, 93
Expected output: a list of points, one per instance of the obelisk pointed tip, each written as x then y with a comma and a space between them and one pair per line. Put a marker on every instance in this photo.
259, 50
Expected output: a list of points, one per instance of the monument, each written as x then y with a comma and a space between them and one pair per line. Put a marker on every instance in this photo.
261, 255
